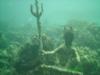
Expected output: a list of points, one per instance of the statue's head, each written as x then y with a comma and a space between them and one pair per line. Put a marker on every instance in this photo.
68, 35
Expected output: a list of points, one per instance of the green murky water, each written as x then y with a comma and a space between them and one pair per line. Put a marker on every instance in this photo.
60, 38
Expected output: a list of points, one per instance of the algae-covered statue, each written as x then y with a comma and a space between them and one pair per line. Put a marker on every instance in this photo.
66, 54
40, 51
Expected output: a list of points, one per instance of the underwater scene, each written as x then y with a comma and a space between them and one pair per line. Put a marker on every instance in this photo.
49, 37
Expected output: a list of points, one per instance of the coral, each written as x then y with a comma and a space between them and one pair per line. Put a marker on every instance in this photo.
7, 59
89, 61
3, 41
